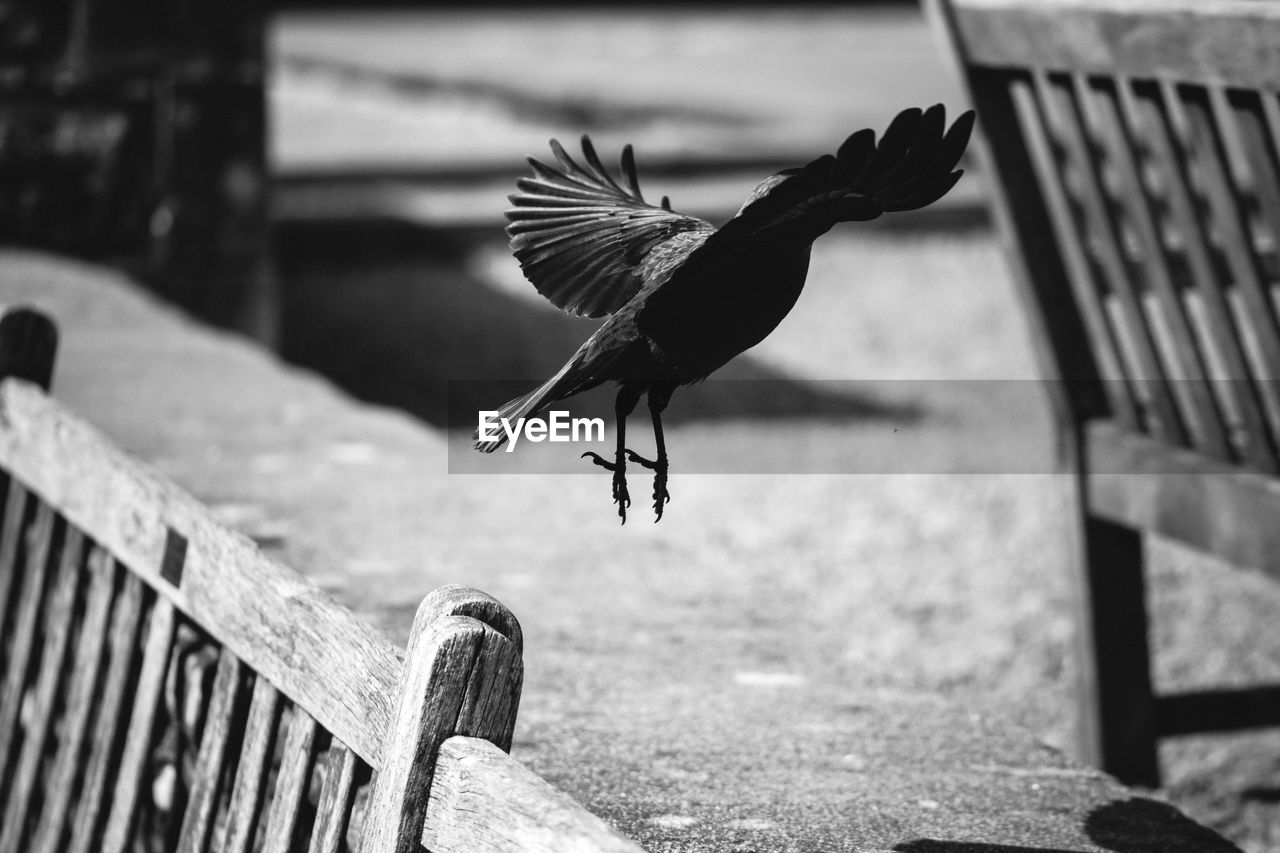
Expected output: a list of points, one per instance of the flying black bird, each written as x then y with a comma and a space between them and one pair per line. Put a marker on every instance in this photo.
682, 297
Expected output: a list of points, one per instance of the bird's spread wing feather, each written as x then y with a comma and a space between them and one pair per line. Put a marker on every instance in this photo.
581, 236
912, 166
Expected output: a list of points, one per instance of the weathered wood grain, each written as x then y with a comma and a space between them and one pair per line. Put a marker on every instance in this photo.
462, 676
1227, 42
1150, 102
111, 717
292, 779
1228, 212
1146, 103
277, 622
43, 694
1061, 95
1215, 507
130, 778
333, 812
1083, 279
70, 757
16, 511
530, 816
252, 768
27, 624
206, 787
1187, 365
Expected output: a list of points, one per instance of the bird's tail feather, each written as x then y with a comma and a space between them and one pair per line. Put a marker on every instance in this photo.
523, 407
911, 166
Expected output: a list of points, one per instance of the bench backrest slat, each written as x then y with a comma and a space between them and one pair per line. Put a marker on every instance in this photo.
56, 620
249, 789
11, 538
130, 776
297, 758
1151, 133
108, 723
213, 757
1224, 43
333, 810
24, 641
83, 677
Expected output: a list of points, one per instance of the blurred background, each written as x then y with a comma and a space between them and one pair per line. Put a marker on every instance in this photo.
330, 179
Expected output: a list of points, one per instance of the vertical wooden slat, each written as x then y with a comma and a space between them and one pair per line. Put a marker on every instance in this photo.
15, 518
130, 781
1212, 438
1060, 96
1249, 118
292, 778
1270, 101
1148, 105
337, 796
1209, 154
111, 718
67, 765
252, 768
206, 787
25, 630
1087, 289
57, 637
1027, 234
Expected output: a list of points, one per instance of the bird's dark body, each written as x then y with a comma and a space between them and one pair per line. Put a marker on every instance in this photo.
692, 326
682, 297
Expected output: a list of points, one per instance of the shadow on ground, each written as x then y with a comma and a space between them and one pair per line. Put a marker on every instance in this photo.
1135, 825
389, 313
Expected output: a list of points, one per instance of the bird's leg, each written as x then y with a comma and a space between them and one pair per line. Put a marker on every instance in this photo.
626, 400
659, 396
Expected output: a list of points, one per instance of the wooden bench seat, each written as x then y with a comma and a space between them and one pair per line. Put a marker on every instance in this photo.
168, 687
1131, 151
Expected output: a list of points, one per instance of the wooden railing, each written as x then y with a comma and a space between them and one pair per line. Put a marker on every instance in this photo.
165, 681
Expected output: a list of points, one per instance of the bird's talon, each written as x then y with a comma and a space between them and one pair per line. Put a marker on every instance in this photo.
597, 459
661, 497
621, 497
640, 460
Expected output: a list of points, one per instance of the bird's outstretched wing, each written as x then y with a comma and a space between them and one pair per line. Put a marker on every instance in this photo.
581, 236
912, 166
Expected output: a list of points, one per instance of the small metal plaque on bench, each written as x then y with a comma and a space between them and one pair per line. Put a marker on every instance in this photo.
175, 557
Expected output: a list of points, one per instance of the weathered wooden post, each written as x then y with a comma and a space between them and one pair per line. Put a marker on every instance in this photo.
133, 133
462, 676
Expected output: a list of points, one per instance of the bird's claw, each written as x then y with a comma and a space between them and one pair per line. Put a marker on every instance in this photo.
659, 468
621, 496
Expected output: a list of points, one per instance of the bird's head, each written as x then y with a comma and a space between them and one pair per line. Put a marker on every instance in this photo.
762, 189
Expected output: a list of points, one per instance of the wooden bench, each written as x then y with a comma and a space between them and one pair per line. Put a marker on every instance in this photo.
1131, 150
168, 687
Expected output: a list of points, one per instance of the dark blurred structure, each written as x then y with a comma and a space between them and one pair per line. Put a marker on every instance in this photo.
132, 133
